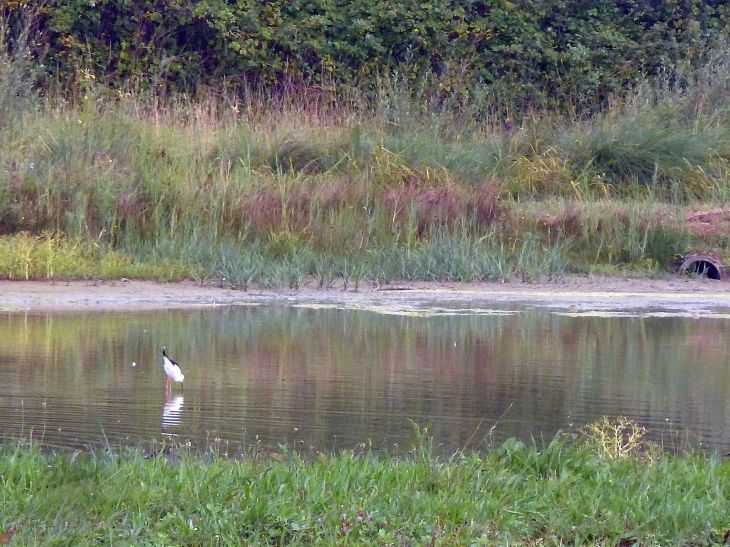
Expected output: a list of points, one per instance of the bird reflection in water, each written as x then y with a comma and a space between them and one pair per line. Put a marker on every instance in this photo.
171, 413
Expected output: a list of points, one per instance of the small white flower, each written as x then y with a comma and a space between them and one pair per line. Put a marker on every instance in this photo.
32, 166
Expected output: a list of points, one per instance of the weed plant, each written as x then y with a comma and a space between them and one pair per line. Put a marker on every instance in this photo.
603, 487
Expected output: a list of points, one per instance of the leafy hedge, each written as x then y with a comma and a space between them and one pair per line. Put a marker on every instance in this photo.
529, 51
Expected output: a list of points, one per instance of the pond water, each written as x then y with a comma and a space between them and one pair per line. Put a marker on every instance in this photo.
326, 378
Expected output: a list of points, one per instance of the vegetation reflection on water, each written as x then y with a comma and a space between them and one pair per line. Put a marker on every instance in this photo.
334, 378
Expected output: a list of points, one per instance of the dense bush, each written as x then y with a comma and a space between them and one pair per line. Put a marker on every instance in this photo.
573, 53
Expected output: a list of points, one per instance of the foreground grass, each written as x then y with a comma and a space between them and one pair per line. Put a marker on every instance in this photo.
584, 492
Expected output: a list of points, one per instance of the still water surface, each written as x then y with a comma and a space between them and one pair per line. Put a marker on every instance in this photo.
332, 378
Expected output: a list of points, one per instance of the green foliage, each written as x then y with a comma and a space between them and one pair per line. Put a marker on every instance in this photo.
527, 52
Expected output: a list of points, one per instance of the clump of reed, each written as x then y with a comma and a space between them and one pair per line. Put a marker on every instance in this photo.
48, 256
568, 490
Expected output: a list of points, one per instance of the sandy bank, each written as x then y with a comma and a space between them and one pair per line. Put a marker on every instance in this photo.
573, 293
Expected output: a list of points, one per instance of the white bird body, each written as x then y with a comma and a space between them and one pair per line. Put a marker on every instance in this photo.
172, 369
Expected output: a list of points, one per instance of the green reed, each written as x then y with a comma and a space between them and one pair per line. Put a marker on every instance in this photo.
449, 254
571, 490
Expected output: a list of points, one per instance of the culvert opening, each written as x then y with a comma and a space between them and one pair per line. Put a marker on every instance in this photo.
703, 268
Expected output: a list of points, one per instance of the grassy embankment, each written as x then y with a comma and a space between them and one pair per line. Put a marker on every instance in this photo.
275, 191
605, 487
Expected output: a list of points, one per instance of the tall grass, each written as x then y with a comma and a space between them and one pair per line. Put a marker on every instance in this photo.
272, 190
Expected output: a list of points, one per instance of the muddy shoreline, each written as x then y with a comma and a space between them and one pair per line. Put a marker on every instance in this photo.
574, 293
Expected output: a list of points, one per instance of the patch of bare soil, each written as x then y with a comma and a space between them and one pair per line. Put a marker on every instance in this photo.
571, 292
709, 223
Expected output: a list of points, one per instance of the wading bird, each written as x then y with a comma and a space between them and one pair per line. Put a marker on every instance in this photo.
172, 370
